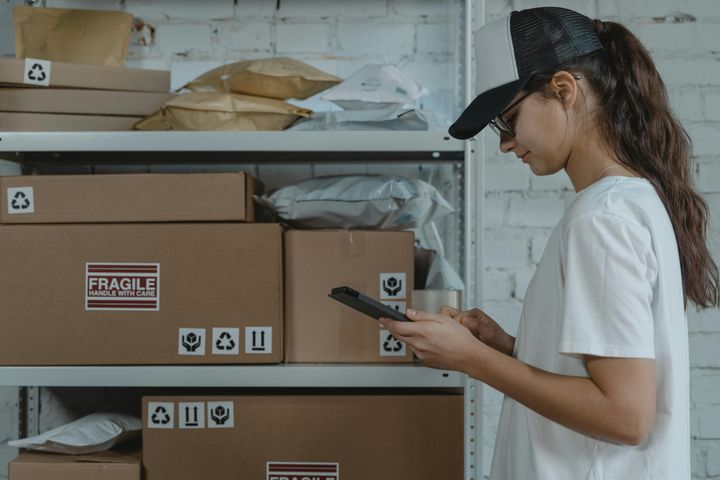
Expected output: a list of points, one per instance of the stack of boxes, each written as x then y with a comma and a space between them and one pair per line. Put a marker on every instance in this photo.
138, 269
39, 95
171, 269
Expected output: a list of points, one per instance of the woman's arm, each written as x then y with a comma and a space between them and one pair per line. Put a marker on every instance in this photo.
616, 403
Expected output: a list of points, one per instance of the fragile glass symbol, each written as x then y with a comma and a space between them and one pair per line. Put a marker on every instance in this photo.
160, 416
191, 341
392, 286
220, 415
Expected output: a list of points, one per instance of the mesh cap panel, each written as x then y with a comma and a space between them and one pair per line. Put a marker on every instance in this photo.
547, 37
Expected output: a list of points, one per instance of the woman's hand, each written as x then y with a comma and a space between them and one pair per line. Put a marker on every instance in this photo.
483, 327
438, 340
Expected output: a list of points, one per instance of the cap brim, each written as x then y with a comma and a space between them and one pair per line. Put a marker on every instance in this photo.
484, 108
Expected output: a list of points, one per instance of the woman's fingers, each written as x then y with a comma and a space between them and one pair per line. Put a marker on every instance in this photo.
400, 330
449, 311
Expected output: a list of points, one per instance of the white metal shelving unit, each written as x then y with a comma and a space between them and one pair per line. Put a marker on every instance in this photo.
263, 376
287, 141
57, 148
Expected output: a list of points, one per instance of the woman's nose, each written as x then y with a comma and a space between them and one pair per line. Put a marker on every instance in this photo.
506, 143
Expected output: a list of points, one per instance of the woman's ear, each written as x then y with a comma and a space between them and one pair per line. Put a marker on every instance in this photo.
565, 88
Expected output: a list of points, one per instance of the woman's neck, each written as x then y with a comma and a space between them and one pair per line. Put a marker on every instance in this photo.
589, 162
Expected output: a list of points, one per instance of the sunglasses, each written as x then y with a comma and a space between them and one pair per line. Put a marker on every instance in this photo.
501, 126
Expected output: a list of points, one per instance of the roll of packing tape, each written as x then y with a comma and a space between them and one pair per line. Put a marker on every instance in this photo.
433, 300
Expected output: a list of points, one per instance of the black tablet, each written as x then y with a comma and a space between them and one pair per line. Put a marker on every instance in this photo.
363, 303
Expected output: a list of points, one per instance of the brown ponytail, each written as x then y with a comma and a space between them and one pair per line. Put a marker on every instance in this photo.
635, 120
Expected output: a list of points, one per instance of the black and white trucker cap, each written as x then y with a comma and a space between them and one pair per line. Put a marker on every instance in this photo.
509, 51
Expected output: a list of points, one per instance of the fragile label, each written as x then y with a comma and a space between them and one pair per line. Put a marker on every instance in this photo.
191, 341
303, 471
20, 200
37, 72
220, 415
122, 286
393, 286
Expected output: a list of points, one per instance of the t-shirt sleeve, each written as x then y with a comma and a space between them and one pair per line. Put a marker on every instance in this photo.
609, 269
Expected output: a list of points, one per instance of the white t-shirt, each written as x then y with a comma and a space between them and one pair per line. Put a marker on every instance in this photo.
609, 284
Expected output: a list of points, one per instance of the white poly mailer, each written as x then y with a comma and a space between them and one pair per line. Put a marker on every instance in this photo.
93, 433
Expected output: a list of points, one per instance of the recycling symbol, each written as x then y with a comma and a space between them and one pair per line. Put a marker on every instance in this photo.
225, 342
220, 415
392, 344
191, 341
37, 73
20, 201
160, 416
392, 286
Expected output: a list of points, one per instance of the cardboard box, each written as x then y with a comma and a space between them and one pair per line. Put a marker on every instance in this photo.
295, 437
100, 466
76, 101
55, 122
135, 294
73, 75
151, 197
320, 329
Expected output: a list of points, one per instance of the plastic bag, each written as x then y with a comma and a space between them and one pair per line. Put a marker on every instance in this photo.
376, 86
443, 276
391, 118
380, 202
97, 432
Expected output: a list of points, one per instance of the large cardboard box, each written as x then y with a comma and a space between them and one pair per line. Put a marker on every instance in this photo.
151, 197
58, 122
76, 101
298, 437
320, 329
100, 466
33, 72
133, 294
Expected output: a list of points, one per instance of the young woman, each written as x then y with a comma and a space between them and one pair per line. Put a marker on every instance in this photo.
596, 382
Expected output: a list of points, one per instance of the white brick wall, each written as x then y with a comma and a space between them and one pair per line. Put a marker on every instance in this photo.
521, 208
